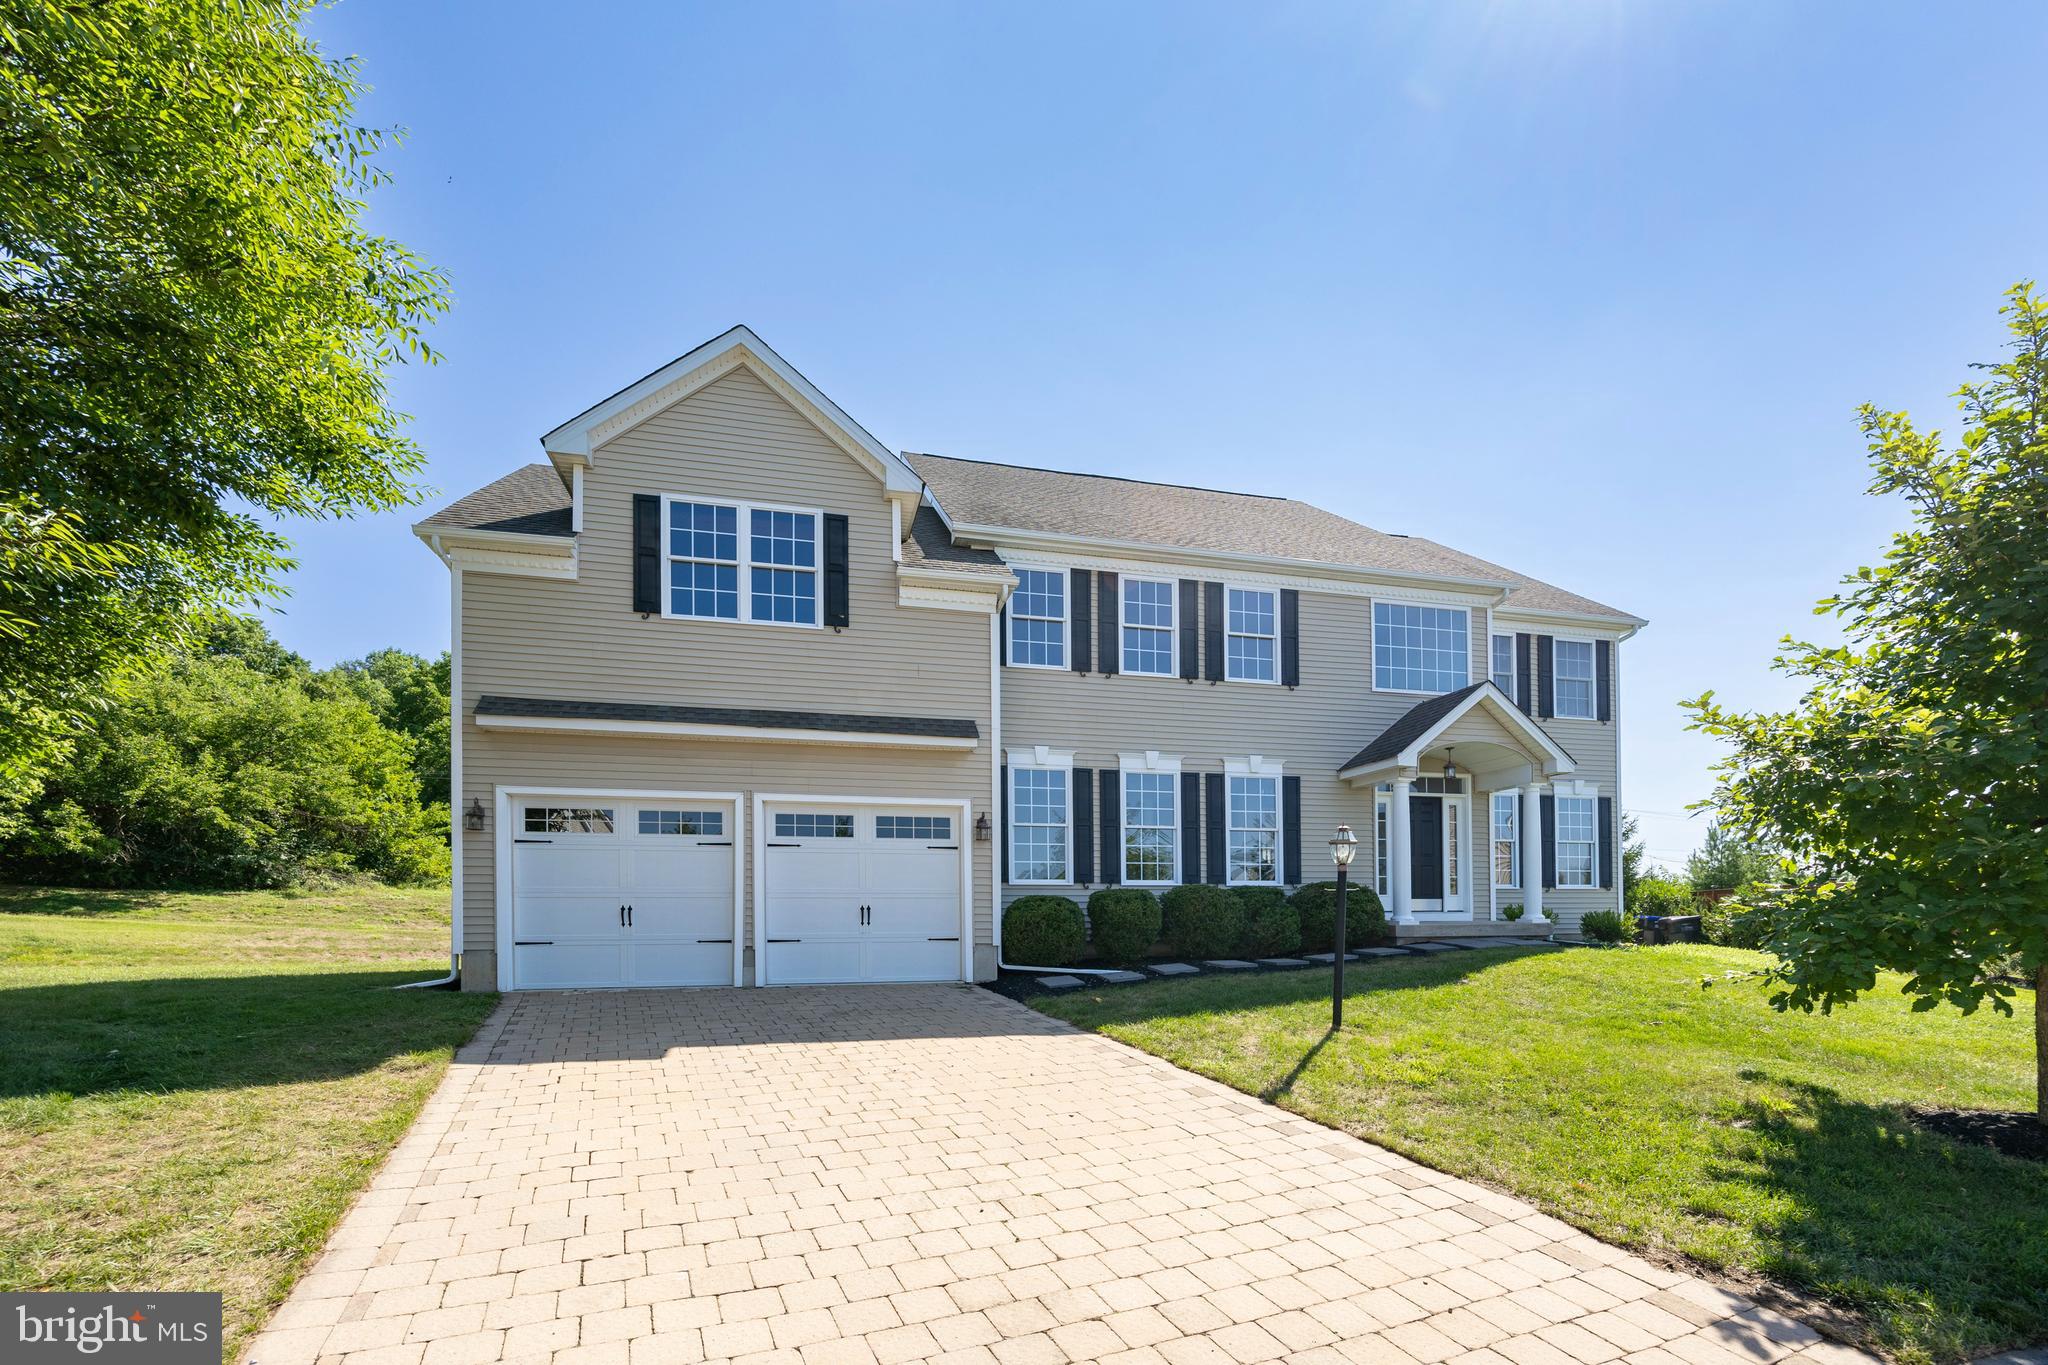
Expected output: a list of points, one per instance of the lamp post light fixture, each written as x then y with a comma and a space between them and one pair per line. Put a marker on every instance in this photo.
1343, 848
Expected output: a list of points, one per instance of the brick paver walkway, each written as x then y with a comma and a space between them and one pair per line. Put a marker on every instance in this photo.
898, 1174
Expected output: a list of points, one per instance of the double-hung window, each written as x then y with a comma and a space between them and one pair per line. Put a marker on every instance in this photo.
1150, 819
1504, 665
1148, 608
1507, 838
1420, 649
1571, 671
1040, 847
1254, 830
1578, 840
1038, 619
737, 562
1250, 635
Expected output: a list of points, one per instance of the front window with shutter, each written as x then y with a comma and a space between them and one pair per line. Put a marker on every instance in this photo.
1420, 649
1039, 847
1572, 670
1578, 825
1254, 830
1150, 818
1507, 840
1504, 665
766, 574
1148, 610
1250, 632
1038, 619
785, 567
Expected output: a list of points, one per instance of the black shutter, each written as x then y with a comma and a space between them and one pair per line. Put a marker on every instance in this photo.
1005, 816
1603, 674
1607, 841
646, 553
1190, 629
1003, 631
1545, 661
1549, 804
1290, 816
1212, 630
1213, 786
1084, 825
1190, 827
1112, 815
1525, 677
1080, 603
838, 592
1112, 624
1290, 637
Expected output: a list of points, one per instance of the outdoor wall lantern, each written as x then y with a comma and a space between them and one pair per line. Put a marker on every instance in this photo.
1450, 766
473, 815
981, 828
1343, 848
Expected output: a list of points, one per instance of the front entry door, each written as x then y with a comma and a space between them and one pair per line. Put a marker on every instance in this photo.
1426, 853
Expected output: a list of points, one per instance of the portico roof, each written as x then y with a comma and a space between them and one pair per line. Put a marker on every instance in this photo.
1402, 744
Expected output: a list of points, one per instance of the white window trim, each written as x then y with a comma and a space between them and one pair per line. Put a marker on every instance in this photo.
1514, 677
1578, 791
743, 520
1229, 676
1382, 835
1493, 798
1372, 639
1039, 757
1257, 765
1592, 680
1123, 607
1066, 621
1151, 761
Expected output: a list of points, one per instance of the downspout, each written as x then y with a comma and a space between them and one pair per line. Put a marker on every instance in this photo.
455, 849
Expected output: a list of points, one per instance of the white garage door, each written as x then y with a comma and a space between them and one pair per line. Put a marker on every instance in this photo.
626, 892
861, 893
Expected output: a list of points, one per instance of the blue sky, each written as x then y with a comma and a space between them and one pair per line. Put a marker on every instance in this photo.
1589, 289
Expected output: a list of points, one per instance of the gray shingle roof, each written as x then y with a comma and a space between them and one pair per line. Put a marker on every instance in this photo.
930, 546
1102, 506
530, 499
556, 708
1411, 726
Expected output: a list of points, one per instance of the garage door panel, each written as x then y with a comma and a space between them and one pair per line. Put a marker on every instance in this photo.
567, 867
567, 917
912, 960
815, 960
816, 916
912, 871
803, 869
916, 915
567, 966
680, 963
899, 861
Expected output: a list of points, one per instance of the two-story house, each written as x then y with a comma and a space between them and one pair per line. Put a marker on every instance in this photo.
742, 696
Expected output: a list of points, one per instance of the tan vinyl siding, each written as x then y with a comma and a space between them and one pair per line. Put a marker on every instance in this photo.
531, 637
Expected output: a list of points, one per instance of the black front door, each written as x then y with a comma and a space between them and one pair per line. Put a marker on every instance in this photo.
1426, 847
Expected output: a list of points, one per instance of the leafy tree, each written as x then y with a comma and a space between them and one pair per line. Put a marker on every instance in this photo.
409, 695
1725, 860
1909, 787
194, 330
1631, 857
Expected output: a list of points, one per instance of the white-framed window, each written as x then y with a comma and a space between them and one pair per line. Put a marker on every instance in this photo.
928, 827
1382, 809
569, 820
736, 561
1041, 820
1251, 634
1253, 837
812, 825
1151, 827
1148, 627
1507, 838
1578, 841
1038, 619
708, 824
1420, 649
1571, 674
1504, 665
1452, 845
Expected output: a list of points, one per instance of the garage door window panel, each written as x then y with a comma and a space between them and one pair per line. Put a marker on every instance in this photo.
806, 825
569, 820
709, 824
931, 828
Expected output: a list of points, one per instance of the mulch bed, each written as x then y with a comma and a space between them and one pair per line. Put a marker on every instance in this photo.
1023, 986
2015, 1134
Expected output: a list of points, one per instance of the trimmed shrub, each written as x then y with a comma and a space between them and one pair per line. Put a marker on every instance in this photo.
1735, 922
1201, 921
1271, 926
1043, 931
1365, 921
1124, 922
1511, 913
1661, 896
1603, 926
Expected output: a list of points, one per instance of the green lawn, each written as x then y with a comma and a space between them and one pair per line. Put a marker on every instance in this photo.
193, 1087
1611, 1090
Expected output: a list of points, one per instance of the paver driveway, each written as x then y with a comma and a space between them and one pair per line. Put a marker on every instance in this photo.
934, 1173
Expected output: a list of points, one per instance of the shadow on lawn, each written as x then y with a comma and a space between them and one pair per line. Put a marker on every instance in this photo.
83, 903
205, 1033
1944, 1240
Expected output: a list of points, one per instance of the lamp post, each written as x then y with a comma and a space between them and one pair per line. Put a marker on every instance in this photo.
1343, 848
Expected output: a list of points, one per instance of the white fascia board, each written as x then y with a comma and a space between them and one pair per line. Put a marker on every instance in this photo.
580, 435
516, 554
1614, 627
739, 733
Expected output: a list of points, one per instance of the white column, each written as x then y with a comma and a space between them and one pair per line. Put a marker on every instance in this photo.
1398, 878
1532, 852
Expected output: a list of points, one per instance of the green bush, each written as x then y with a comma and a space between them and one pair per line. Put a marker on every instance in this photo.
1661, 896
1272, 928
1511, 913
1365, 920
1202, 921
1124, 922
1735, 922
1043, 931
1603, 926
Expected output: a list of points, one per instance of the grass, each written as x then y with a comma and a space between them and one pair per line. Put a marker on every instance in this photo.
194, 1087
1698, 1125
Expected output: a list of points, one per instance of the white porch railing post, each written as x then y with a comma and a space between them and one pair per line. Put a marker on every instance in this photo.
1398, 882
1532, 852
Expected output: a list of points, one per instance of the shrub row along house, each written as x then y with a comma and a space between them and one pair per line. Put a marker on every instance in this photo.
742, 696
